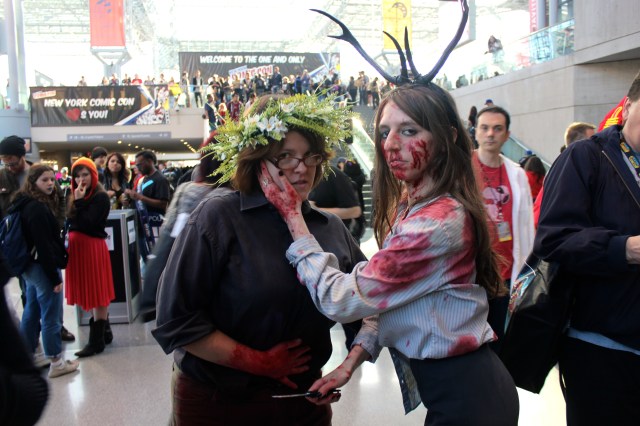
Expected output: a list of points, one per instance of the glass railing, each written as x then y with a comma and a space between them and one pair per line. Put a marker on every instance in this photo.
362, 147
515, 150
541, 46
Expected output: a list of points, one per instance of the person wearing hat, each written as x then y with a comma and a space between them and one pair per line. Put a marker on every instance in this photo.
488, 103
14, 173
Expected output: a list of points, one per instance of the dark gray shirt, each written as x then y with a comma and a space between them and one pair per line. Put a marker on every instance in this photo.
228, 271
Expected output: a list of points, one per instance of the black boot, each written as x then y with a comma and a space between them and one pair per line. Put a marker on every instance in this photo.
108, 334
96, 339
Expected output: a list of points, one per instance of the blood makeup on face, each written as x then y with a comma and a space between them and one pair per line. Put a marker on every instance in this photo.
404, 144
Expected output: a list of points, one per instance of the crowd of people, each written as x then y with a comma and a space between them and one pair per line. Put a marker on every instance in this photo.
254, 261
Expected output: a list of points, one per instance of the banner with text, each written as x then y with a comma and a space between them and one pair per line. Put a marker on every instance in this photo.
243, 64
99, 105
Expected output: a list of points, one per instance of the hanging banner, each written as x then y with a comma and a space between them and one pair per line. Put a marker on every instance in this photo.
99, 105
106, 23
396, 16
244, 64
533, 16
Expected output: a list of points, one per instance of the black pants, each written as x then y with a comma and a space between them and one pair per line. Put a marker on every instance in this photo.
498, 307
474, 389
197, 99
602, 385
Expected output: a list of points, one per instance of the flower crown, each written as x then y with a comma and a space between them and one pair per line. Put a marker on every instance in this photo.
318, 114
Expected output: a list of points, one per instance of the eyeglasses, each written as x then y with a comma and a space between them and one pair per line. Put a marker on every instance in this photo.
287, 162
11, 165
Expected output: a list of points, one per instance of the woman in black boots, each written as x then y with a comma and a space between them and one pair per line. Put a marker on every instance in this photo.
89, 281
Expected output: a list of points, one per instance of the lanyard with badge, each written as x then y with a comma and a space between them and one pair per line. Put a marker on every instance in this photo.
626, 150
502, 226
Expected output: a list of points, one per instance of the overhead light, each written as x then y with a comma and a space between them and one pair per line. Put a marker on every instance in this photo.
119, 141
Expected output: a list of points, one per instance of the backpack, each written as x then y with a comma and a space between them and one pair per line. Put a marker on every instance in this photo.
13, 244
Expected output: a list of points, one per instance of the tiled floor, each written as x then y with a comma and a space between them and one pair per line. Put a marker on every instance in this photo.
128, 384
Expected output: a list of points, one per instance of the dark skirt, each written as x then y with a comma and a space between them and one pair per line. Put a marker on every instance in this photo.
89, 280
470, 389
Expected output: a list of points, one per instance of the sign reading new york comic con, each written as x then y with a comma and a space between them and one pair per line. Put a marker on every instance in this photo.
250, 64
99, 105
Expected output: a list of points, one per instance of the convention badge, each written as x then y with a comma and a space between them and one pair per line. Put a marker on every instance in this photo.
504, 231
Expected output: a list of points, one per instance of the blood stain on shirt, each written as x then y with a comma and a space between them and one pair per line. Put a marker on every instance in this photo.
463, 345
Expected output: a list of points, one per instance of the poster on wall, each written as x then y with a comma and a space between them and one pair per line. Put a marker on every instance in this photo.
249, 64
99, 105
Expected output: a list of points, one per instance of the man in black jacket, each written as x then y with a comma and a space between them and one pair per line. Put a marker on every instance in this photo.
14, 172
590, 225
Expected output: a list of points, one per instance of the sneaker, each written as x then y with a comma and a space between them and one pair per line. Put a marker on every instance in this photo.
40, 360
66, 335
63, 368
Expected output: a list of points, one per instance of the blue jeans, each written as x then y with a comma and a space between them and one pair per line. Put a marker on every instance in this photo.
42, 305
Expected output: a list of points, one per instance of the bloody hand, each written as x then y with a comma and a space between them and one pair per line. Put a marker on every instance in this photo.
279, 192
279, 362
334, 380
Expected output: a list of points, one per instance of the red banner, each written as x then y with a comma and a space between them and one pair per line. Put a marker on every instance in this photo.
533, 16
106, 20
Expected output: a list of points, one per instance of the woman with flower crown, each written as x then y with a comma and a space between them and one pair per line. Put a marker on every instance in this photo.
229, 304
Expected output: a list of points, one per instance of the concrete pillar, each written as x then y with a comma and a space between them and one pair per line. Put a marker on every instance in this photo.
542, 15
14, 32
553, 13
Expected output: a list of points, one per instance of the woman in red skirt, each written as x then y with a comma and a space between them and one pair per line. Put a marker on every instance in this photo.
89, 282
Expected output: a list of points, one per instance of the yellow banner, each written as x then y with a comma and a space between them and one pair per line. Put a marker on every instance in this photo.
396, 15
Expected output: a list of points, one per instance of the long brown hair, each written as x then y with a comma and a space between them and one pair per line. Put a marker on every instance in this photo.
30, 189
449, 168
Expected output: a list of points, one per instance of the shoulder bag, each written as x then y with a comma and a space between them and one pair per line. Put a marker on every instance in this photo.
538, 317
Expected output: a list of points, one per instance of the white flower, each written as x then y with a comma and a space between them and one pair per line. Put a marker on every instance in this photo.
278, 126
263, 124
273, 122
288, 108
251, 121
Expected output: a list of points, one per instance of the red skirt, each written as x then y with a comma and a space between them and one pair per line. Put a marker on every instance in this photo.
89, 281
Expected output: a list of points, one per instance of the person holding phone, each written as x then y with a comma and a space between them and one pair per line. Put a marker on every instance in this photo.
89, 280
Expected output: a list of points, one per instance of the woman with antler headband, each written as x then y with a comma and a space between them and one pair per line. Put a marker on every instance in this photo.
426, 291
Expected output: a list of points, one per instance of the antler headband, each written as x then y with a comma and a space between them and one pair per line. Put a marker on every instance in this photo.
403, 78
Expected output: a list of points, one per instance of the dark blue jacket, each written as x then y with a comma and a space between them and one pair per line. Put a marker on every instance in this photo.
590, 206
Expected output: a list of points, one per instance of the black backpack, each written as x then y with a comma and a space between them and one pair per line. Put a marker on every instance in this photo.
13, 244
